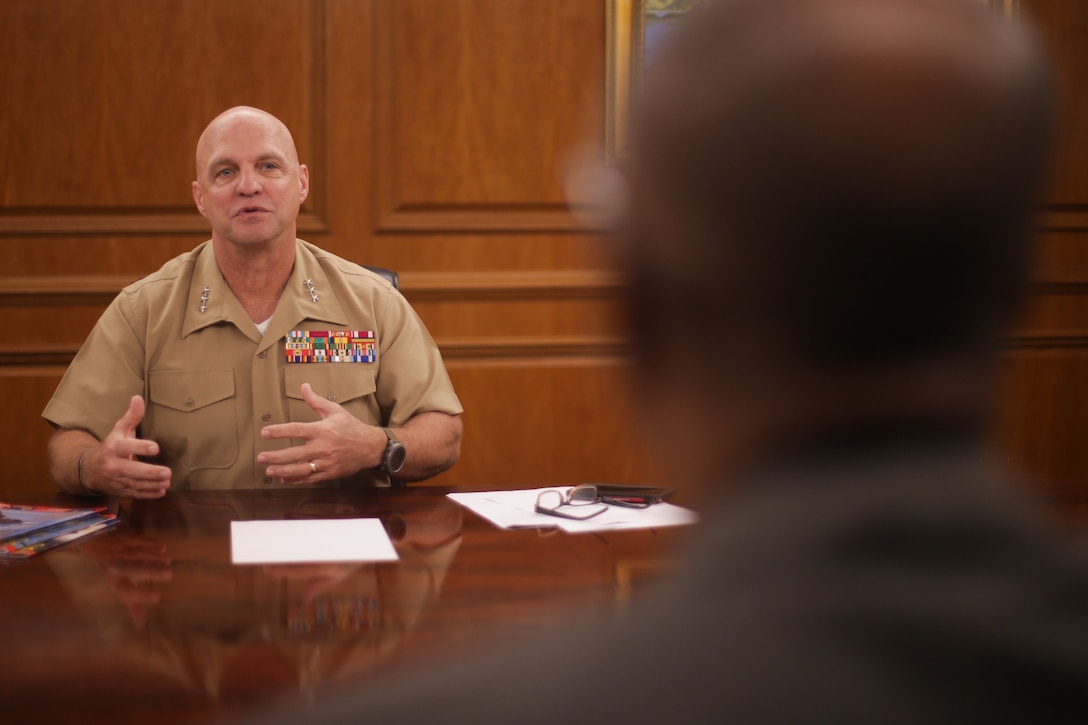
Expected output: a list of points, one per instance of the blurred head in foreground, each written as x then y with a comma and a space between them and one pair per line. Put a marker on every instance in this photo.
828, 219
826, 235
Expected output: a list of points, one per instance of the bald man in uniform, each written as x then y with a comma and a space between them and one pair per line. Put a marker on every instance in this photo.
826, 233
257, 360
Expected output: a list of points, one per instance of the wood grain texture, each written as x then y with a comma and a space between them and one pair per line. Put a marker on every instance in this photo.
563, 419
1045, 400
25, 391
462, 141
1064, 26
114, 95
152, 622
1045, 378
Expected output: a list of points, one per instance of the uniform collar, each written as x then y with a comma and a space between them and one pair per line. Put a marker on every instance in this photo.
307, 296
210, 300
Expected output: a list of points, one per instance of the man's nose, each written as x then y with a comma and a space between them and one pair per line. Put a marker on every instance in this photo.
249, 183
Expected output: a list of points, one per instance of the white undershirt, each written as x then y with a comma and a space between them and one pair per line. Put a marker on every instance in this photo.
262, 327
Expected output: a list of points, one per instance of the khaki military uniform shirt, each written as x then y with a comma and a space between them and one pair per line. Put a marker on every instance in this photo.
180, 338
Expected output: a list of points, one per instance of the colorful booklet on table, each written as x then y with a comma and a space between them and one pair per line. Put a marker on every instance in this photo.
28, 530
86, 528
17, 520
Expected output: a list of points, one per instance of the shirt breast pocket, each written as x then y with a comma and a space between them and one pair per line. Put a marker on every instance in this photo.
192, 416
350, 385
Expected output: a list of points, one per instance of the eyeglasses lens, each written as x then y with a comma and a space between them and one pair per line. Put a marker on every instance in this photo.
572, 505
582, 495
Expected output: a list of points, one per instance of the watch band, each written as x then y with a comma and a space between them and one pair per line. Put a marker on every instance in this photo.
393, 450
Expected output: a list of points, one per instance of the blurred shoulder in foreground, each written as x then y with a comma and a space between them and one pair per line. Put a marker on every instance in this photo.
826, 235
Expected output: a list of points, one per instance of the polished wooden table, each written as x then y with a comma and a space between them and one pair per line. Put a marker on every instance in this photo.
150, 622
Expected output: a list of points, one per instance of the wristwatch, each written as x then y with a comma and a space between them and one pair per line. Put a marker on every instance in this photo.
393, 458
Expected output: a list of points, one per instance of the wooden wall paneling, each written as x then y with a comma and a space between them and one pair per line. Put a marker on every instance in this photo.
1045, 381
104, 102
113, 97
525, 318
344, 151
541, 421
24, 390
1045, 378
1064, 26
452, 119
1060, 256
480, 102
472, 252
1043, 423
1056, 313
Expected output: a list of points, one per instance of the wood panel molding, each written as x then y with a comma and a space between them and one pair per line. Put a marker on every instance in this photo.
1048, 340
399, 217
511, 219
1059, 285
1064, 218
566, 284
134, 219
440, 286
15, 355
61, 290
394, 214
77, 222
480, 349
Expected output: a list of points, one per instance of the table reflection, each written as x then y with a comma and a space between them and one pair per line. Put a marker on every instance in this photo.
164, 595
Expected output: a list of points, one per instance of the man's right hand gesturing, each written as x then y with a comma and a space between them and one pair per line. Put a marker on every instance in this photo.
82, 465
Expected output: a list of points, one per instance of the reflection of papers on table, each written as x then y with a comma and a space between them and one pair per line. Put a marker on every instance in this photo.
170, 604
515, 510
309, 540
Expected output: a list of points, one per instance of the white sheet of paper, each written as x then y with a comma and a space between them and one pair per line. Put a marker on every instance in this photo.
515, 510
298, 541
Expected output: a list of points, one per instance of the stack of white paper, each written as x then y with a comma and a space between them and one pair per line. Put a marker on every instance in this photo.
298, 541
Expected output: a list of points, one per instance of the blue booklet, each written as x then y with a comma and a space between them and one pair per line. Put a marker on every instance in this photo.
39, 541
17, 521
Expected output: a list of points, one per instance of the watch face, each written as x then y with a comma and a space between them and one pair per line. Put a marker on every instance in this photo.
394, 457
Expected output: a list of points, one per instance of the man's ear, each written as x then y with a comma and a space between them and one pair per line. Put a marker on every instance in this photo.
198, 197
303, 183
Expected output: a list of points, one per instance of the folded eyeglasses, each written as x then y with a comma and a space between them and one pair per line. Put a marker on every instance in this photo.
588, 500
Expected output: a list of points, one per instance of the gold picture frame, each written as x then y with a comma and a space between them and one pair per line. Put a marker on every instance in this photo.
1009, 8
625, 46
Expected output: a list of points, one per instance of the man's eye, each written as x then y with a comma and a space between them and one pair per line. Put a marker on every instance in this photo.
270, 167
224, 172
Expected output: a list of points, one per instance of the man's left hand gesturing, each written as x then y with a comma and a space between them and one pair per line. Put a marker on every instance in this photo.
336, 446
